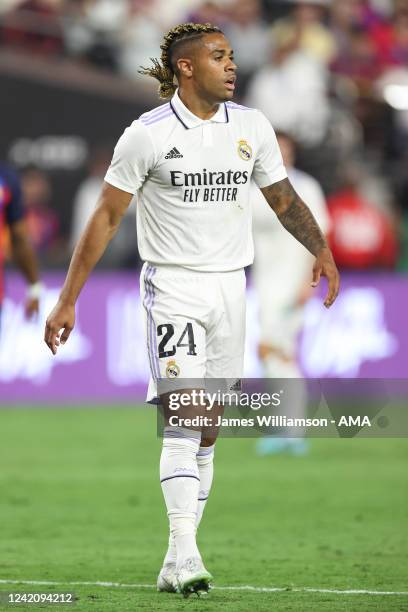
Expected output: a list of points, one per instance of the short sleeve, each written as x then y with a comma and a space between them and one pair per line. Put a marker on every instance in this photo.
132, 159
268, 167
15, 207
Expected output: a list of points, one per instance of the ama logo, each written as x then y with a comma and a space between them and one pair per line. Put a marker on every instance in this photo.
339, 341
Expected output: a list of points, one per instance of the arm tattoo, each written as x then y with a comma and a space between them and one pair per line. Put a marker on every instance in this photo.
294, 215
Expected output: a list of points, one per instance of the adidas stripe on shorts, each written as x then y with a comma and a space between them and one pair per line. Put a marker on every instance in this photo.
194, 324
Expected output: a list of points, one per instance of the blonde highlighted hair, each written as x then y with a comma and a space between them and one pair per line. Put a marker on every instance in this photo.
162, 69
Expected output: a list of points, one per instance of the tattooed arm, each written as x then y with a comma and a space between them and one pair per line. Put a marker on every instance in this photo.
295, 216
297, 219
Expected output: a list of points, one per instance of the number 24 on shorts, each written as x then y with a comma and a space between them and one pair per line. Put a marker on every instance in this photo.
166, 333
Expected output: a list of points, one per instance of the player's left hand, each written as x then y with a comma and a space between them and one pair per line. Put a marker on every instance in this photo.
31, 308
324, 266
59, 325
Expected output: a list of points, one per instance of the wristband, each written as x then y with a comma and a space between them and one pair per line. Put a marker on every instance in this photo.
34, 291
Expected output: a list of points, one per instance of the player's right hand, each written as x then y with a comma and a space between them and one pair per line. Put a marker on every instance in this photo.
61, 318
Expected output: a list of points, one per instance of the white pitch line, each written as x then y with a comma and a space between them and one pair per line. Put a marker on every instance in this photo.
218, 588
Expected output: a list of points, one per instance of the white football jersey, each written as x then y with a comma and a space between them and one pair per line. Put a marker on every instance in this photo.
192, 178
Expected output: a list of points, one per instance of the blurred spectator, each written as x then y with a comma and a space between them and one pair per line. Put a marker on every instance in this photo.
367, 42
362, 236
359, 60
93, 29
392, 39
344, 15
385, 7
304, 29
249, 37
366, 52
34, 25
172, 12
42, 222
78, 36
209, 12
8, 5
292, 91
141, 37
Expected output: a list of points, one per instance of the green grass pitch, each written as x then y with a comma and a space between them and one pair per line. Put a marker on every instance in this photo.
80, 501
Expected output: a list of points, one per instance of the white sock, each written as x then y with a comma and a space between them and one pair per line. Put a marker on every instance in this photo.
171, 554
205, 463
180, 485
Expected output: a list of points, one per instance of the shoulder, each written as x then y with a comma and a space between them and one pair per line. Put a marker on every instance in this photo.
156, 115
151, 128
143, 125
248, 117
135, 139
247, 113
237, 109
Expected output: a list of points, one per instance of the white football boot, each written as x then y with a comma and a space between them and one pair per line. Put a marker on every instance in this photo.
192, 577
166, 580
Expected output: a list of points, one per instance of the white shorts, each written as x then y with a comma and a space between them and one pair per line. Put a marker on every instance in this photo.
194, 323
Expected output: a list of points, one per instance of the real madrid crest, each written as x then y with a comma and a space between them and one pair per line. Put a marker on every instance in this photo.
244, 150
172, 369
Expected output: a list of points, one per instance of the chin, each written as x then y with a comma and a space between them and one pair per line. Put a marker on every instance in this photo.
226, 96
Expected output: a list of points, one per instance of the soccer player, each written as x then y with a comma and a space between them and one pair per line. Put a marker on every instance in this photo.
280, 261
12, 215
190, 162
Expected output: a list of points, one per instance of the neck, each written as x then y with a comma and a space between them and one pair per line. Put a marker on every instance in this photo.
196, 104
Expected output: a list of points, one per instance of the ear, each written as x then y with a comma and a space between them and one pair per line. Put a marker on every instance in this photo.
185, 67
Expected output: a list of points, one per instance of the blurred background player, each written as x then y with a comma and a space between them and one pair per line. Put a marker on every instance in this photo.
12, 217
41, 218
122, 249
281, 274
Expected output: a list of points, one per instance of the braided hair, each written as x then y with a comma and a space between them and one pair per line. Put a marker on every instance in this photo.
162, 69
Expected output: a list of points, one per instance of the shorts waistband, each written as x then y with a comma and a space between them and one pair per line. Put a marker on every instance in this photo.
172, 270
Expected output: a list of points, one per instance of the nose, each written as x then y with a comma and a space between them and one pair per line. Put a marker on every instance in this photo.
231, 65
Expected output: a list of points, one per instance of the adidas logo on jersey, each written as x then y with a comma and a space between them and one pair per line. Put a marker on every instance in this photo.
173, 154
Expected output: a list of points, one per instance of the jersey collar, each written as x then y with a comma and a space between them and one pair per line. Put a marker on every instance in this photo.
189, 120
